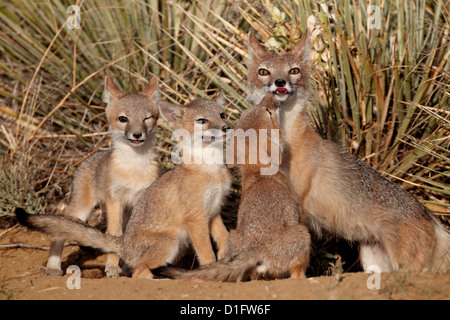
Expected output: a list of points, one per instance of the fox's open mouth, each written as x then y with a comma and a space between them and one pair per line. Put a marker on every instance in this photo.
136, 141
281, 90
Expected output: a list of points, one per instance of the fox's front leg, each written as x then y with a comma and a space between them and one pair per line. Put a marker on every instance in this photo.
54, 260
114, 220
199, 233
220, 235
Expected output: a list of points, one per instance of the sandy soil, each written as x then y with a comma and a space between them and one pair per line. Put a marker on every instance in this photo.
22, 277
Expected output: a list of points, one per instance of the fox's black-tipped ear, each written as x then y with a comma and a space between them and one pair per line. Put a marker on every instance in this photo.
22, 216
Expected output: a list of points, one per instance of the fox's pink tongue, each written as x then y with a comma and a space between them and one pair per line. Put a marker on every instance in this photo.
281, 90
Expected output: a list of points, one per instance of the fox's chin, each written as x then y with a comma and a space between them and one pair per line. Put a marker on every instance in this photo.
281, 97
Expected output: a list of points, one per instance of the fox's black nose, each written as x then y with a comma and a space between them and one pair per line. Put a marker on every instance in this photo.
280, 82
137, 135
225, 128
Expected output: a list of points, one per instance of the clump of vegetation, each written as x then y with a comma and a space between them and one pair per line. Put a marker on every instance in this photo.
17, 180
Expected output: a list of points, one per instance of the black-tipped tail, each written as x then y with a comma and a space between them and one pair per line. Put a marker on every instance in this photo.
71, 229
22, 216
240, 267
165, 272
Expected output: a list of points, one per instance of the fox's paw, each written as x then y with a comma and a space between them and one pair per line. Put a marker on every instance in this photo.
112, 271
53, 272
222, 253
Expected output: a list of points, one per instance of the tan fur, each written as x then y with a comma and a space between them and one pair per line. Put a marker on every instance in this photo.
184, 204
337, 192
268, 242
117, 177
268, 217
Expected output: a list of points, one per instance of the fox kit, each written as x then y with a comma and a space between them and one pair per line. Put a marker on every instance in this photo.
337, 192
116, 178
184, 204
269, 242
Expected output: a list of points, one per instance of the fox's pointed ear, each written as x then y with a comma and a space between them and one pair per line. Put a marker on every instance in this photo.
151, 89
255, 48
303, 46
111, 91
231, 153
269, 100
169, 112
235, 152
220, 99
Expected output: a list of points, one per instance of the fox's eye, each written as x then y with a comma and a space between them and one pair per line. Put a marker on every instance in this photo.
270, 113
201, 121
294, 71
146, 118
123, 119
222, 115
263, 72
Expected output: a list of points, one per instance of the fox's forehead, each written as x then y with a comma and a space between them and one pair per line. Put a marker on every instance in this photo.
202, 107
135, 104
247, 117
280, 62
252, 118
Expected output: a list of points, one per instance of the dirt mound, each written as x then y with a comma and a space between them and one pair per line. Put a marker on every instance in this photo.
23, 256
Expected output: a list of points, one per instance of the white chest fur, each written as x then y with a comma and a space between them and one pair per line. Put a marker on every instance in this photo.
132, 158
131, 173
213, 198
289, 112
216, 190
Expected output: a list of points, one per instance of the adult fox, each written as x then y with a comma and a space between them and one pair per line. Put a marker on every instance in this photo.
336, 191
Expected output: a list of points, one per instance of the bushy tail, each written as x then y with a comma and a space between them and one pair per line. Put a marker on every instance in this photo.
231, 269
70, 229
441, 259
